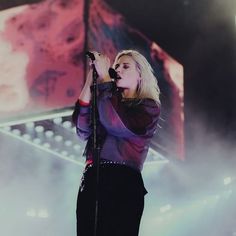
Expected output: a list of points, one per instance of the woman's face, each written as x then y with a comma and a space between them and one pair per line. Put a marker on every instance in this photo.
128, 72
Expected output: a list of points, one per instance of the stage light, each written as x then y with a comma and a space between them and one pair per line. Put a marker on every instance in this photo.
77, 147
55, 115
165, 208
68, 143
37, 141
57, 120
29, 125
43, 213
16, 132
58, 138
67, 124
39, 128
64, 153
26, 136
47, 145
49, 133
227, 180
31, 212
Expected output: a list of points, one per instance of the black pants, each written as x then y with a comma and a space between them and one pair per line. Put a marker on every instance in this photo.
121, 202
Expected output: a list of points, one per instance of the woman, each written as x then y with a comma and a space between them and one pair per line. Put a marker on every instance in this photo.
128, 112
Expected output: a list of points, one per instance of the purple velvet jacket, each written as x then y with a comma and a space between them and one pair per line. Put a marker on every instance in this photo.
125, 127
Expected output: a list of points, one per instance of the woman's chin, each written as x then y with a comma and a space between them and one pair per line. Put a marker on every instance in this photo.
119, 84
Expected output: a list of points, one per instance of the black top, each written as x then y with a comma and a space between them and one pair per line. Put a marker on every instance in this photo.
125, 129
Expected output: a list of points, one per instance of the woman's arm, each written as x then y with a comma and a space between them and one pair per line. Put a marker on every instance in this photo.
119, 120
81, 114
85, 95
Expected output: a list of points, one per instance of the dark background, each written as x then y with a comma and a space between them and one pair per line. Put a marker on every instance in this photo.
201, 35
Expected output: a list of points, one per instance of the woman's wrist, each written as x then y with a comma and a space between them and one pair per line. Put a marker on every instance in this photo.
83, 103
105, 78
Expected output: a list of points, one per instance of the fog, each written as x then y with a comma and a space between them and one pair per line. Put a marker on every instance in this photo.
191, 197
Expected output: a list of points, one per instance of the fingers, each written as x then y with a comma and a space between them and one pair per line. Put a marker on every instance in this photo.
99, 56
102, 64
96, 54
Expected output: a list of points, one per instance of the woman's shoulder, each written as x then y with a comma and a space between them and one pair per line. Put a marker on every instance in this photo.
147, 104
151, 105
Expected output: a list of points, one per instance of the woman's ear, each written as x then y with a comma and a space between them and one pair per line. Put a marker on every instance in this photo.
138, 69
139, 84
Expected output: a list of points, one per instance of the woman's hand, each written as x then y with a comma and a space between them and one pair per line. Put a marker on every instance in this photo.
102, 65
85, 95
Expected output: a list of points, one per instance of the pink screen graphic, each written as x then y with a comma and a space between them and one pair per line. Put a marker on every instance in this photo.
43, 64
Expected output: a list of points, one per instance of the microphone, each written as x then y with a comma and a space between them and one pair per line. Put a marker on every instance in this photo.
113, 74
90, 55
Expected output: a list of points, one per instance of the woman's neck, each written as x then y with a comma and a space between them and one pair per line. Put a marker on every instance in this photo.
129, 93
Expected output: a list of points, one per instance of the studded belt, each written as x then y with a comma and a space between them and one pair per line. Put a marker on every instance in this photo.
103, 163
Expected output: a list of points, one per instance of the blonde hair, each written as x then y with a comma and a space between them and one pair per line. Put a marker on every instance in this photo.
148, 85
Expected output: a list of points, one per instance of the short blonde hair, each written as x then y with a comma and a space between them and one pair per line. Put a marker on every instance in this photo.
148, 85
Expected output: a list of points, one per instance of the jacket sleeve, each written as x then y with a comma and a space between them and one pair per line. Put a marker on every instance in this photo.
120, 120
81, 119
